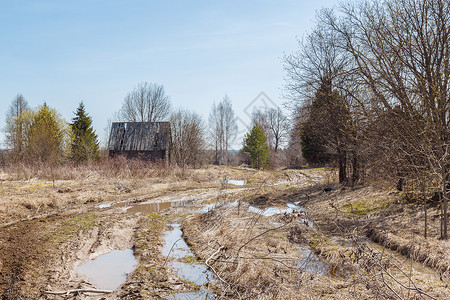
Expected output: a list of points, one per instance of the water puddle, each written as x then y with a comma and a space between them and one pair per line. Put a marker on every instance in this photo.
109, 271
176, 249
312, 263
201, 294
105, 205
292, 208
232, 182
174, 244
272, 211
195, 273
152, 207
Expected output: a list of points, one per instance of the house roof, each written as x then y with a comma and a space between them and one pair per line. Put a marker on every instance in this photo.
139, 136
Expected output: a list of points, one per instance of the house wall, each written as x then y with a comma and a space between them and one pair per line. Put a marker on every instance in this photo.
145, 155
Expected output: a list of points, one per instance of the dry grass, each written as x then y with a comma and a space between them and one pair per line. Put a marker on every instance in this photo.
118, 168
260, 260
387, 218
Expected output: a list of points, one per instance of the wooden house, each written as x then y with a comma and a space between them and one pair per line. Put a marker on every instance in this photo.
144, 140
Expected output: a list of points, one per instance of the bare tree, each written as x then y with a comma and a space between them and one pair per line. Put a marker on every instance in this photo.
259, 118
223, 129
274, 124
17, 123
147, 102
402, 52
319, 81
188, 142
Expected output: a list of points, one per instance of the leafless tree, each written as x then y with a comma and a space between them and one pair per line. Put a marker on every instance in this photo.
16, 126
319, 80
275, 123
147, 102
223, 129
188, 144
402, 52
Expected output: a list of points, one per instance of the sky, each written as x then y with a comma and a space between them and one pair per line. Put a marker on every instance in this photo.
97, 51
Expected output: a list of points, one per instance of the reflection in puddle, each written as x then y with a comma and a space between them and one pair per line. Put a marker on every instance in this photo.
174, 243
152, 207
176, 248
195, 273
109, 271
149, 207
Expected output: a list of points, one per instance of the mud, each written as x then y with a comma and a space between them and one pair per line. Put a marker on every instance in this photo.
272, 250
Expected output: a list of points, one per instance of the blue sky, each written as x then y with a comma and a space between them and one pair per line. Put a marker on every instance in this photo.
64, 52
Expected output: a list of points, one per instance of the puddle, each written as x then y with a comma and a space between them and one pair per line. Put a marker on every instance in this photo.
109, 271
232, 182
202, 294
176, 248
149, 207
174, 238
195, 273
272, 211
207, 207
291, 208
312, 263
152, 207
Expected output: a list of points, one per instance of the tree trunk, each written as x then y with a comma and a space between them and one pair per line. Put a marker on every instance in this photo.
445, 205
425, 208
342, 162
426, 219
355, 175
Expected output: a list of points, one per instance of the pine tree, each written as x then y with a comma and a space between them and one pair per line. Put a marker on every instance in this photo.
45, 140
84, 144
255, 148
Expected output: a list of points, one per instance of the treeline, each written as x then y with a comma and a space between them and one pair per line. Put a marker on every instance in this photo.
370, 91
41, 135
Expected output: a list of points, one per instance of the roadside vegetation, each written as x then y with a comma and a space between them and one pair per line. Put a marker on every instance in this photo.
344, 197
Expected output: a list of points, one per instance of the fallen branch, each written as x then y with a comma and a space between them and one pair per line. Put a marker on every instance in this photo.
170, 251
77, 291
217, 275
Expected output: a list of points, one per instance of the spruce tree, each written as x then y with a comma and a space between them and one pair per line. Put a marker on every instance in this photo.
255, 148
84, 144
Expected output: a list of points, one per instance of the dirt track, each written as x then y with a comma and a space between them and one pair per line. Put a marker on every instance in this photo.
41, 252
43, 242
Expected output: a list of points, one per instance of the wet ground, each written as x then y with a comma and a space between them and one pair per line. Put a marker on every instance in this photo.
109, 271
146, 247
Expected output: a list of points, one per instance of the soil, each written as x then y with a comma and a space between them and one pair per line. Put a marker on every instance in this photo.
49, 228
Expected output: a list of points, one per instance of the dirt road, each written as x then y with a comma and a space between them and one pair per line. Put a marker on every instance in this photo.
258, 240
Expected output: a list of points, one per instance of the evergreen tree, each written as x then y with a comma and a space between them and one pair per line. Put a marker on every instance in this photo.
255, 148
84, 144
45, 139
313, 144
325, 136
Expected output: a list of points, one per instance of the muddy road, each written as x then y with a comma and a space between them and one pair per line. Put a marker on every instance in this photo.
43, 253
247, 236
